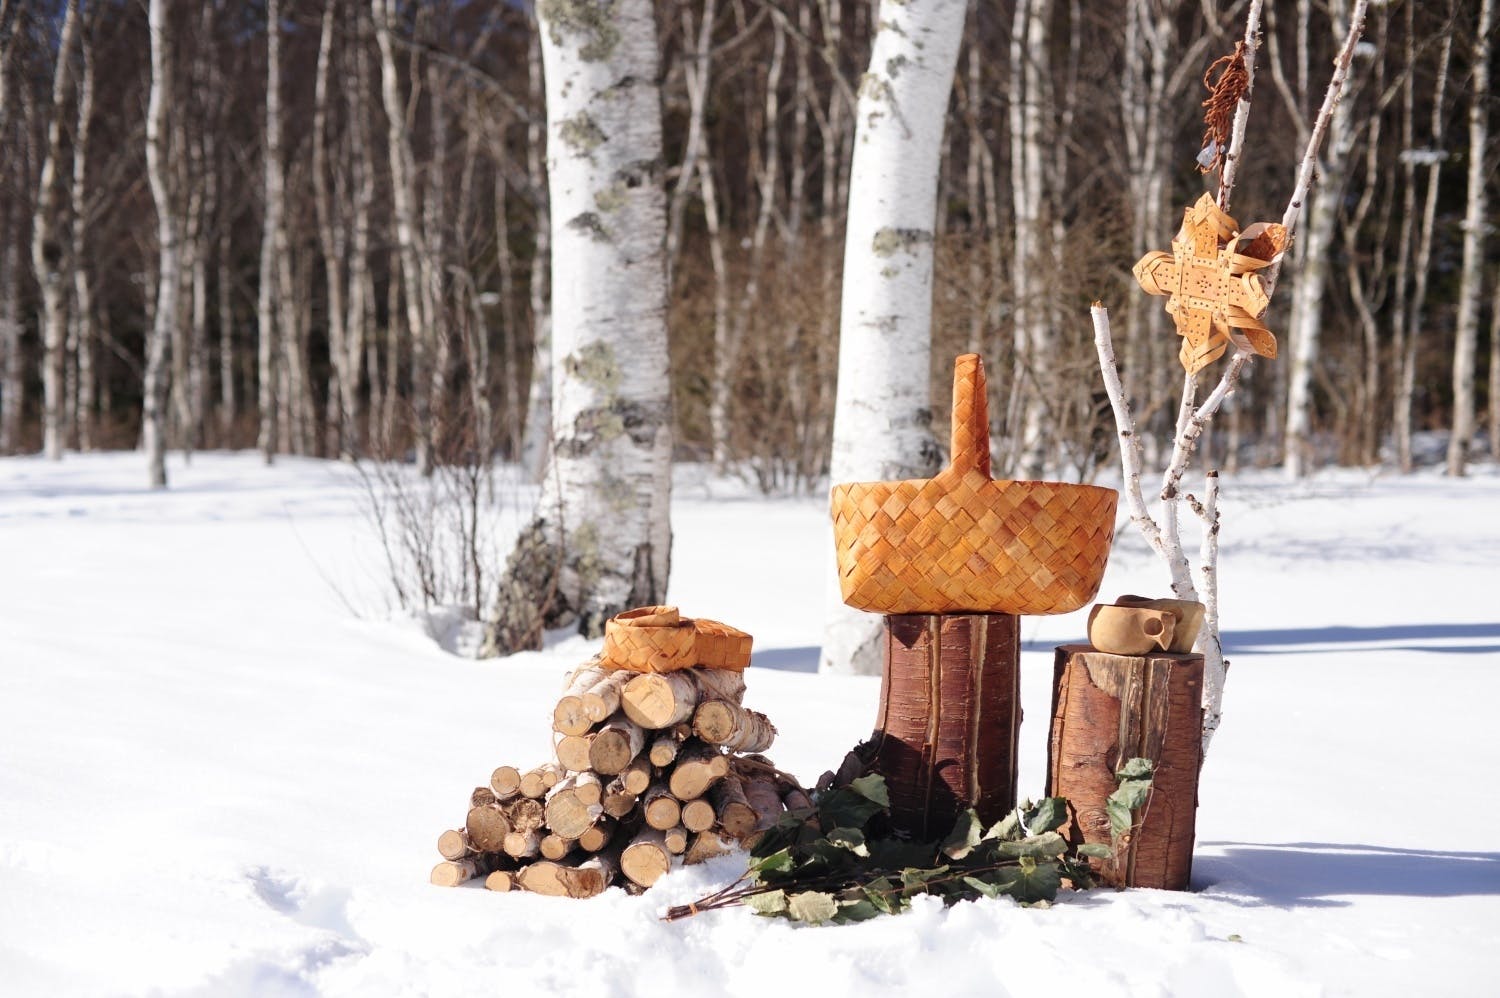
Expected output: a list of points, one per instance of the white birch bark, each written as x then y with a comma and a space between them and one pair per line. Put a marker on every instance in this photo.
1026, 410
1494, 421
1476, 226
169, 275
1306, 327
536, 446
11, 381
11, 373
359, 318
1410, 343
415, 291
344, 361
883, 409
601, 539
274, 184
49, 256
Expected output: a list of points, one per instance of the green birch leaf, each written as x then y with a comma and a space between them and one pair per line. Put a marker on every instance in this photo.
1008, 827
915, 879
856, 911
851, 839
964, 837
1030, 881
872, 788
769, 903
1047, 845
778, 862
1132, 793
1096, 850
812, 907
1049, 815
884, 895
847, 808
1136, 769
1119, 815
982, 888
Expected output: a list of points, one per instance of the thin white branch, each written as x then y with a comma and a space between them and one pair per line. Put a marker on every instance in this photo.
1242, 110
1209, 642
1130, 447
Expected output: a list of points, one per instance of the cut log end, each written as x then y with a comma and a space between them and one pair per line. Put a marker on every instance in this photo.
698, 767
647, 859
451, 873
453, 845
698, 815
505, 781
487, 827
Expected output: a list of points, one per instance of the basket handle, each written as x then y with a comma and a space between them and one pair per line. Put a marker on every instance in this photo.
971, 417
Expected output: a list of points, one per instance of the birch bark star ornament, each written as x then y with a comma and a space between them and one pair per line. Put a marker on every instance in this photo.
1214, 292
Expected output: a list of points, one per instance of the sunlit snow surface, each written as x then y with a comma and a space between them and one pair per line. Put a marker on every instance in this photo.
217, 779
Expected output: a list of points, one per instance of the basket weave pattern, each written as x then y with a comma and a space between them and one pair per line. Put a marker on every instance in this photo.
659, 639
963, 542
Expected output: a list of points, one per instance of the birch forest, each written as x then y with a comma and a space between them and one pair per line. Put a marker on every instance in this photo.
320, 227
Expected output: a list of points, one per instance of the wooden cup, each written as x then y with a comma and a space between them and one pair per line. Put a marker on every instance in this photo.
1127, 630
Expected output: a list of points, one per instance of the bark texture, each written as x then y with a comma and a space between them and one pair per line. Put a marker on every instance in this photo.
1476, 225
600, 541
169, 274
1106, 710
950, 711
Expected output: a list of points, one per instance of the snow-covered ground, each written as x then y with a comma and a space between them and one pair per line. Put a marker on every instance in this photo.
216, 779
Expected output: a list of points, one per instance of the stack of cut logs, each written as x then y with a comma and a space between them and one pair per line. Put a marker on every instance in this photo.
651, 769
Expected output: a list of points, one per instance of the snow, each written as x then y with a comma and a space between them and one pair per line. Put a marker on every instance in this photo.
216, 779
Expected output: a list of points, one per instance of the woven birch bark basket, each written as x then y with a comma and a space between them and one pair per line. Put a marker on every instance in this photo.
660, 639
964, 543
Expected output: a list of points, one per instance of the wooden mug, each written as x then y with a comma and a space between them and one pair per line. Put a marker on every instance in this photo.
1188, 614
1129, 630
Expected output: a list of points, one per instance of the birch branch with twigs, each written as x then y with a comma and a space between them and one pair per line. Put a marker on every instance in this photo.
1164, 535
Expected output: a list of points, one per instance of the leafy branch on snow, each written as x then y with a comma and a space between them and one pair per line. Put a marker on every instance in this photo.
830, 863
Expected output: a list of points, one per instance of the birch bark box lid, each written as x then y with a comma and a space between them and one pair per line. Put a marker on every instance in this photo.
963, 542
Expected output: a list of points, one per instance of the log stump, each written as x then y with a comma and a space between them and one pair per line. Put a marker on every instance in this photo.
1107, 709
950, 711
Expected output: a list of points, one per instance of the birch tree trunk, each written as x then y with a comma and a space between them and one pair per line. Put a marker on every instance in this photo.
84, 332
1495, 368
536, 446
169, 275
1026, 410
10, 320
408, 235
1422, 266
331, 240
1306, 326
11, 380
883, 409
268, 345
601, 539
359, 319
49, 257
1476, 222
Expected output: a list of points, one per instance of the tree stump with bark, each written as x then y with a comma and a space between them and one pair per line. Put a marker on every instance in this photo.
950, 711
1107, 709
